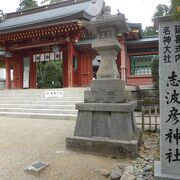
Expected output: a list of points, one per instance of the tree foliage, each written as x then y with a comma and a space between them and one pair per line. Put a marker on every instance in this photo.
50, 1
27, 4
155, 73
175, 8
161, 10
150, 31
50, 75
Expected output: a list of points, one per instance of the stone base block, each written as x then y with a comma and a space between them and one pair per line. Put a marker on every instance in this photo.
159, 176
105, 96
113, 121
105, 146
107, 85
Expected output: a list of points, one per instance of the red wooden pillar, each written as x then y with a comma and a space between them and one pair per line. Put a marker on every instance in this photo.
17, 64
65, 67
123, 60
32, 76
68, 64
8, 73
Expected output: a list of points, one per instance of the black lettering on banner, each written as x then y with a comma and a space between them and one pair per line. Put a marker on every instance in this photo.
173, 157
166, 41
173, 81
166, 49
166, 30
169, 155
167, 58
172, 98
177, 38
177, 41
177, 48
173, 116
170, 136
177, 29
177, 57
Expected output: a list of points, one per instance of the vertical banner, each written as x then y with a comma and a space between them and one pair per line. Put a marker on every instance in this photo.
52, 56
26, 71
47, 56
57, 56
169, 46
42, 56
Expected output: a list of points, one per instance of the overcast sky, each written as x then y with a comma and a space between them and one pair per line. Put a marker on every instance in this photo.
137, 11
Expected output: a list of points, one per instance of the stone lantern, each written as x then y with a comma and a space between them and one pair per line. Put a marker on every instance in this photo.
105, 122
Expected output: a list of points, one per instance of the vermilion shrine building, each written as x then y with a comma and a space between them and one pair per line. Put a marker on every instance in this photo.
59, 32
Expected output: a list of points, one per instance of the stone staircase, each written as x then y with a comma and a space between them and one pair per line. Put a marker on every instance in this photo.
32, 103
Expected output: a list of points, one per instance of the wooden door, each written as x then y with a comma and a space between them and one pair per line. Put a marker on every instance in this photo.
16, 75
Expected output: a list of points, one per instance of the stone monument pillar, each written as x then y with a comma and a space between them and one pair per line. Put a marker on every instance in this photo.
169, 66
105, 122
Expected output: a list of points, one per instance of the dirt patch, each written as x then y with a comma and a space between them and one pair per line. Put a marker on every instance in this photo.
25, 141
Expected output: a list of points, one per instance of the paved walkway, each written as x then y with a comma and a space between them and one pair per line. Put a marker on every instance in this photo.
25, 141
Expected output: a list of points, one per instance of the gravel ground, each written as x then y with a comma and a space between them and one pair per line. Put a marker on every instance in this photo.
25, 141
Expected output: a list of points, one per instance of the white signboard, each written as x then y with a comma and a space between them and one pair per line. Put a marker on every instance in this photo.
58, 94
26, 72
169, 46
53, 56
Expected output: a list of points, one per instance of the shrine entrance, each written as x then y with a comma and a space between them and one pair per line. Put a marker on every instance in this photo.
32, 37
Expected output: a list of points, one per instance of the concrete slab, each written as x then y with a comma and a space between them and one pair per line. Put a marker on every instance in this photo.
120, 107
36, 168
105, 146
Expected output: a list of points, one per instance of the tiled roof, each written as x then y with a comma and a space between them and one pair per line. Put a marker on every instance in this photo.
76, 10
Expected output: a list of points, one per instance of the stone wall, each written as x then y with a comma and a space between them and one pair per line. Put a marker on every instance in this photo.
149, 96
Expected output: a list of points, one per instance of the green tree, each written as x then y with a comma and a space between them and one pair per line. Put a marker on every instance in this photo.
161, 10
50, 1
175, 8
51, 75
155, 73
150, 31
27, 4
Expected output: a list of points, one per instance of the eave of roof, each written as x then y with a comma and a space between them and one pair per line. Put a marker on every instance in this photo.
144, 40
136, 25
76, 10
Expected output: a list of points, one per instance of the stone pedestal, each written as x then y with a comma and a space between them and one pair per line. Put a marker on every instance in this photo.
105, 123
106, 130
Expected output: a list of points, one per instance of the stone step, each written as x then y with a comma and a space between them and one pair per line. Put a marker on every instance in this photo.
32, 103
41, 102
39, 115
73, 95
33, 98
38, 106
47, 111
41, 92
